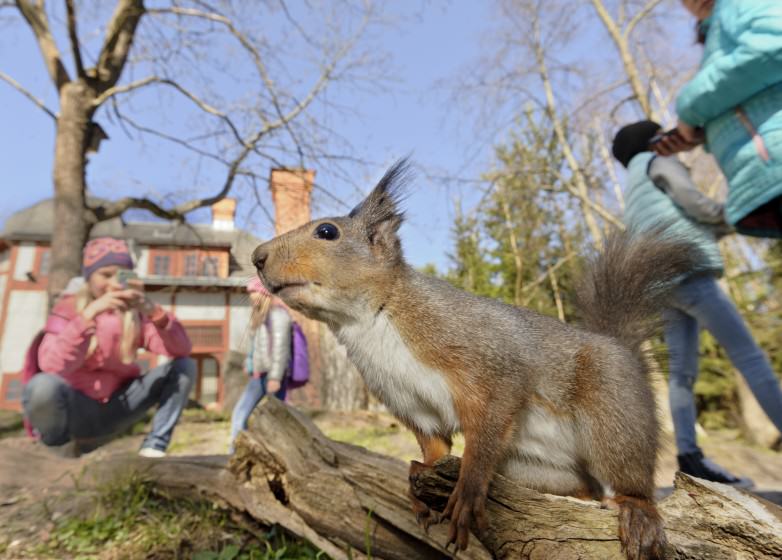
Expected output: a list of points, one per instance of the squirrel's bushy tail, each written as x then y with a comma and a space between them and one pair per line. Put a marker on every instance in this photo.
625, 286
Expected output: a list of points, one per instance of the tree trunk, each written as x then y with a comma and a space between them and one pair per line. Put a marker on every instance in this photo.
71, 227
352, 503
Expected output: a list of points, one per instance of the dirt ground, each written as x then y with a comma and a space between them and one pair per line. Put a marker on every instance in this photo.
38, 487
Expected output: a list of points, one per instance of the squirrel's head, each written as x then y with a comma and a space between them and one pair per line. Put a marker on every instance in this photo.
334, 269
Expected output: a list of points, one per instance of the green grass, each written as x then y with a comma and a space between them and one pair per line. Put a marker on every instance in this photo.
132, 519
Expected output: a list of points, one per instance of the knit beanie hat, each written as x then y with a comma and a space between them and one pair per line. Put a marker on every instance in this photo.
633, 139
255, 285
105, 251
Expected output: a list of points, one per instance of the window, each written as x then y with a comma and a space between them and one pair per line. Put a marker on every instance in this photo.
191, 265
205, 336
210, 266
161, 265
45, 263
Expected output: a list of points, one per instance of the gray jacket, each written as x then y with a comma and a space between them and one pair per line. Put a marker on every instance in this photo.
271, 344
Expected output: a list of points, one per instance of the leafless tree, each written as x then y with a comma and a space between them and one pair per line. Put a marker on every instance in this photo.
245, 78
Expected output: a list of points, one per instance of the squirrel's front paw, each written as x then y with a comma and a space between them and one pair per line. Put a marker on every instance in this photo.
424, 516
467, 510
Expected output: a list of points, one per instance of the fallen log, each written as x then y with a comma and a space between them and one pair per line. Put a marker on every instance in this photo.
351, 503
703, 520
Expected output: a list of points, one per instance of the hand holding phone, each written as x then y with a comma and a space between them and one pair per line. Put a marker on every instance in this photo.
657, 138
679, 139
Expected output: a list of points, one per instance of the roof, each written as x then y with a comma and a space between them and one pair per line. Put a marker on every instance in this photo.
35, 224
233, 281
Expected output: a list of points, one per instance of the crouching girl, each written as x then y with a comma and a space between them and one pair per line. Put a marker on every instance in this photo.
90, 388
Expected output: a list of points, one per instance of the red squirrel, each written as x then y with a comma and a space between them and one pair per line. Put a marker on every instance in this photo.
559, 408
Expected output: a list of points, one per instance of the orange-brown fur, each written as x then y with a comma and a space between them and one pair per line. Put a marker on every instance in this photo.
567, 409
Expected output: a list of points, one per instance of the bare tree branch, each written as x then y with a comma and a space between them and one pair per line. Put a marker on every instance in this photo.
116, 90
173, 139
116, 208
204, 106
544, 276
581, 190
119, 38
608, 163
5, 77
638, 18
283, 119
35, 15
621, 41
74, 38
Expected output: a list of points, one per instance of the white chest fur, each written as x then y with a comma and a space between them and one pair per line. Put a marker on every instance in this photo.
411, 391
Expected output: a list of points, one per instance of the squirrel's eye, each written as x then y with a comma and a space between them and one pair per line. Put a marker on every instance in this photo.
327, 231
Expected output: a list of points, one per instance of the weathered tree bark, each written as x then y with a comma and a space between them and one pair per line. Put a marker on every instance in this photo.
351, 502
703, 520
71, 228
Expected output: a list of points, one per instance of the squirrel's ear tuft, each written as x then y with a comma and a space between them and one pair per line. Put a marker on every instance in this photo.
380, 212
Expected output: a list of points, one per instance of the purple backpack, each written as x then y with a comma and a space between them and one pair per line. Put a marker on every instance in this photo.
299, 372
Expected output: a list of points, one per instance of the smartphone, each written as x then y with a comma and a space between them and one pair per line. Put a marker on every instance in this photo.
659, 137
123, 275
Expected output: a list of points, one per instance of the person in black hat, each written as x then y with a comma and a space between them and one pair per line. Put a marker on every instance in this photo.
660, 190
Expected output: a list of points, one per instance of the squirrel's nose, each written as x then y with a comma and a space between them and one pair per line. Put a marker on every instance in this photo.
259, 257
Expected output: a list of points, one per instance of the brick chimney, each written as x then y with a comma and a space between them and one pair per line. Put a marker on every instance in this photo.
291, 190
223, 213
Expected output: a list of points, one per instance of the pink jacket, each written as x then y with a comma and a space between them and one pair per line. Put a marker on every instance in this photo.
64, 347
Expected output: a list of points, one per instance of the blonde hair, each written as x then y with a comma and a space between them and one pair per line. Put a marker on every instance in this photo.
260, 311
131, 327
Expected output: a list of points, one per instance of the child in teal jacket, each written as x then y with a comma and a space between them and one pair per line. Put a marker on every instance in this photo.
736, 98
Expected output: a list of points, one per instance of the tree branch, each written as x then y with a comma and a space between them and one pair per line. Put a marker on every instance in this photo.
114, 209
637, 18
544, 276
35, 16
204, 106
581, 190
621, 41
74, 37
282, 118
119, 38
27, 94
112, 91
187, 145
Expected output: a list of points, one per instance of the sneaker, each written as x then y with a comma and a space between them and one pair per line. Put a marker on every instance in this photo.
695, 464
151, 453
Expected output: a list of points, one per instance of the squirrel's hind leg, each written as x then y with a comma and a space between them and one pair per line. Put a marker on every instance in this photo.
625, 468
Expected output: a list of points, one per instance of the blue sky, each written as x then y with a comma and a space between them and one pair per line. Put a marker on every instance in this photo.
412, 113
405, 118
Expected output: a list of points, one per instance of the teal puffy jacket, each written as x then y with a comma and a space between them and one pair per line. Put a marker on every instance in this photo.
737, 97
647, 207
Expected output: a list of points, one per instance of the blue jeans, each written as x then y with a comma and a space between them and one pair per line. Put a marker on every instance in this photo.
252, 395
60, 413
700, 302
